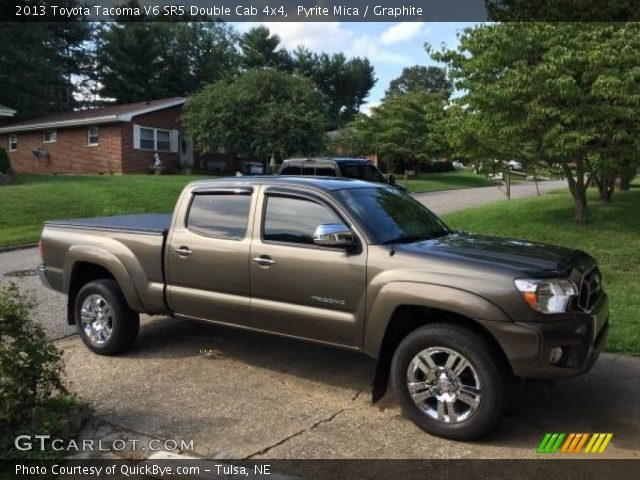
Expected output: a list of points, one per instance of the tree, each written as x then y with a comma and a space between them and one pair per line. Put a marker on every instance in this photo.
407, 130
567, 91
260, 50
345, 84
418, 77
46, 56
264, 113
146, 60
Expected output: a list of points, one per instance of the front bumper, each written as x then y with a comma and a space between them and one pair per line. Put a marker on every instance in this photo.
528, 345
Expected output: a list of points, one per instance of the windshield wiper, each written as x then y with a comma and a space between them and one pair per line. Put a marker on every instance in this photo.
415, 238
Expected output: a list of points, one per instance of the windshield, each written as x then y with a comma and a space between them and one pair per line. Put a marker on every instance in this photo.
390, 215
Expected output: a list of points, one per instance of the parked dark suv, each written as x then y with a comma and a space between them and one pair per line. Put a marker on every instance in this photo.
356, 168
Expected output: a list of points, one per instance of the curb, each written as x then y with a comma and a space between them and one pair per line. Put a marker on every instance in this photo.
12, 248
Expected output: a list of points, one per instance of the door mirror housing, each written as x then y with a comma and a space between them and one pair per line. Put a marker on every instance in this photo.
391, 179
333, 235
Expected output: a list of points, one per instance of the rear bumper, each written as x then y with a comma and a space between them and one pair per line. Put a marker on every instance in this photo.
42, 273
528, 346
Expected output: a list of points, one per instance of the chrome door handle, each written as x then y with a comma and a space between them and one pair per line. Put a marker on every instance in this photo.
183, 251
263, 261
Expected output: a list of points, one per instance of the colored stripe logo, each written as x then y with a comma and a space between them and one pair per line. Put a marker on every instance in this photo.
574, 442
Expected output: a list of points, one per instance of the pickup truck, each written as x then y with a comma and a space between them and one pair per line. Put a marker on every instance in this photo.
450, 317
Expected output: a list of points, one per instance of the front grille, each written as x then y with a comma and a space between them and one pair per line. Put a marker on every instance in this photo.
590, 289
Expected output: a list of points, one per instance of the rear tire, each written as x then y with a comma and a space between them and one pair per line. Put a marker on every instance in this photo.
448, 381
105, 323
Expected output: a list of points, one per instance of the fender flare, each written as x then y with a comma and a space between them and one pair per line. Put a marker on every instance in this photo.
107, 260
397, 294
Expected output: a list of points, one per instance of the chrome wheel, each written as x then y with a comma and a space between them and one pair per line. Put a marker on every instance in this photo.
444, 384
97, 319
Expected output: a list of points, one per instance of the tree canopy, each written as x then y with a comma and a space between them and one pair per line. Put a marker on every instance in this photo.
568, 92
406, 130
264, 113
418, 77
145, 60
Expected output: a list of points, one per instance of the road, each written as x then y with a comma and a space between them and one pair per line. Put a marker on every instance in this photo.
451, 200
244, 395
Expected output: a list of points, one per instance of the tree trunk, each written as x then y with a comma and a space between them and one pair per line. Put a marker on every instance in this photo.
606, 184
625, 179
579, 193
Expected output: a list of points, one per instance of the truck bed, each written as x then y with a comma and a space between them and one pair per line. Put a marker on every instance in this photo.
152, 223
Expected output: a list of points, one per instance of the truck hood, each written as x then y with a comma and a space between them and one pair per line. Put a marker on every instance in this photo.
522, 255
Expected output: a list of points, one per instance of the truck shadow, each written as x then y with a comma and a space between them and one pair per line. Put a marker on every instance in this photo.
605, 400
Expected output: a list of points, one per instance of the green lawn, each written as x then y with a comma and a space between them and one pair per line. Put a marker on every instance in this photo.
36, 198
430, 182
612, 237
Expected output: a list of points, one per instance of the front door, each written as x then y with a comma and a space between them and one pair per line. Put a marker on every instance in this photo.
208, 257
299, 288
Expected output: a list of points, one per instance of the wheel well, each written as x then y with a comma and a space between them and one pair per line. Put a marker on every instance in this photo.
83, 273
407, 318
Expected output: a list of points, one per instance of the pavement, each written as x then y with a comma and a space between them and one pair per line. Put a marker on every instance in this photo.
244, 395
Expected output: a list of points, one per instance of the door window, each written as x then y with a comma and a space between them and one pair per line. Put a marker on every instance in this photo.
294, 220
291, 169
220, 215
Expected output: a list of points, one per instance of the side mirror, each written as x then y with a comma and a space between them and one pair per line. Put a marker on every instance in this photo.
391, 179
333, 235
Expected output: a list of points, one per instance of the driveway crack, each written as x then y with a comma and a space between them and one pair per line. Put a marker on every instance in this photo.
322, 421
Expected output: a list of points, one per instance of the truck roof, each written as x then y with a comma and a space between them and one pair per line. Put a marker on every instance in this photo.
328, 160
318, 183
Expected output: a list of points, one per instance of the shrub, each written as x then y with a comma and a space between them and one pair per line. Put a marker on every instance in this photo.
5, 162
32, 395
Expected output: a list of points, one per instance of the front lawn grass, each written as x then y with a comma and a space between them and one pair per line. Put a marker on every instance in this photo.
33, 199
612, 237
430, 182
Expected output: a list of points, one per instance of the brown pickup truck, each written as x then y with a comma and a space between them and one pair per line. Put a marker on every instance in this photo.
451, 317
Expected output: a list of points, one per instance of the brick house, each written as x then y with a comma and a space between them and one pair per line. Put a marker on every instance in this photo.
114, 139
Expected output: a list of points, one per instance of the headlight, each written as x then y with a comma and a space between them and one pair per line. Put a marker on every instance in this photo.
547, 295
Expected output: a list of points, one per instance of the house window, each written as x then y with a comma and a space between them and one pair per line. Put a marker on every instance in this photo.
163, 140
147, 138
92, 136
50, 136
155, 139
13, 142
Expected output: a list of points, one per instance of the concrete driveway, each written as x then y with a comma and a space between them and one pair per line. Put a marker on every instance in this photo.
244, 395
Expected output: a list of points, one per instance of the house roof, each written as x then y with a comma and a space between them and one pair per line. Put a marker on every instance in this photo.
6, 111
113, 113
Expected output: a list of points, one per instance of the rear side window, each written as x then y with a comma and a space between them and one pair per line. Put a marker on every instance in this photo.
325, 171
294, 220
350, 171
220, 215
291, 169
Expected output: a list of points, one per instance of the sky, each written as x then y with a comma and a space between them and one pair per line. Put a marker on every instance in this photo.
388, 46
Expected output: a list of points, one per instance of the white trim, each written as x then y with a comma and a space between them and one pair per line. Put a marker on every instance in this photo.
65, 123
89, 143
13, 135
123, 117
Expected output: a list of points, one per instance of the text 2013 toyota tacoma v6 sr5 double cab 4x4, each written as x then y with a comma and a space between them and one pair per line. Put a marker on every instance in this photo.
449, 316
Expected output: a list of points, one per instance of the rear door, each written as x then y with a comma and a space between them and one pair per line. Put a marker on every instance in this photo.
299, 288
208, 257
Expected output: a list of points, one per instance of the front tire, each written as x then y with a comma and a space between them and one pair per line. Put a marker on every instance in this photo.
448, 381
105, 323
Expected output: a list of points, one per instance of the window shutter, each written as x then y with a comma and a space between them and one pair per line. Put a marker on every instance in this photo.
136, 136
175, 144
